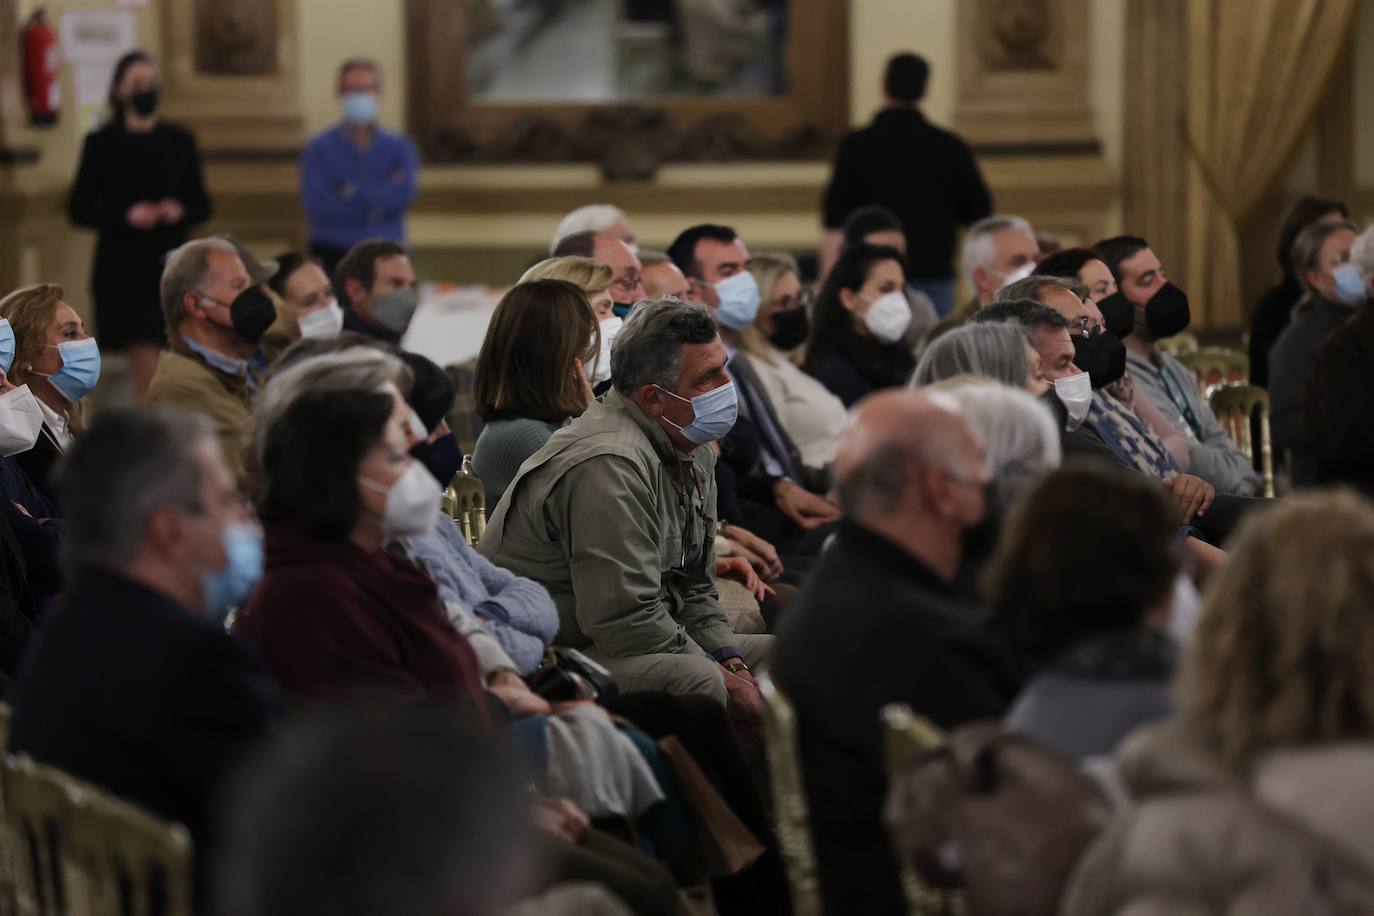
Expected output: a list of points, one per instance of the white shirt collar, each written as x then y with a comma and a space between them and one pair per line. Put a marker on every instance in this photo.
56, 423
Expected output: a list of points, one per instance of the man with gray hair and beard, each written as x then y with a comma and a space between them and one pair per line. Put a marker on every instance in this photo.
881, 623
616, 516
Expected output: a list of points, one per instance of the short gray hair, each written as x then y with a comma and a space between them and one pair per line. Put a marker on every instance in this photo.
354, 369
129, 464
979, 249
591, 218
1020, 441
649, 257
996, 350
648, 349
1362, 253
1030, 287
187, 270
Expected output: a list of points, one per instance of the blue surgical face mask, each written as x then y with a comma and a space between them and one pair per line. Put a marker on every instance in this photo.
80, 368
6, 345
739, 300
229, 587
1349, 284
713, 414
360, 107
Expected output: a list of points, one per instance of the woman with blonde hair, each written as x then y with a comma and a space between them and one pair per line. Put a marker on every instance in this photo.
594, 280
59, 362
1266, 774
811, 415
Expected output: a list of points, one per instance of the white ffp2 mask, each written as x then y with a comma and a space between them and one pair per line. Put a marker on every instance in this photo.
888, 317
412, 503
1076, 393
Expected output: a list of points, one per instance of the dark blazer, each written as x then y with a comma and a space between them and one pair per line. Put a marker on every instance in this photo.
125, 688
332, 620
1340, 405
1272, 314
39, 461
873, 625
922, 173
1290, 364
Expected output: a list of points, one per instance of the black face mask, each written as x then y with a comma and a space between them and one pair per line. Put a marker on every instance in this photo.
145, 102
1102, 356
978, 540
790, 328
442, 458
251, 314
1118, 314
1166, 314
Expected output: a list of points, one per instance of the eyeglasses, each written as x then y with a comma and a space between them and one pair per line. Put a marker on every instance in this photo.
627, 284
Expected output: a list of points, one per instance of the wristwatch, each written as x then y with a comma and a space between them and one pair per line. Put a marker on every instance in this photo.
736, 665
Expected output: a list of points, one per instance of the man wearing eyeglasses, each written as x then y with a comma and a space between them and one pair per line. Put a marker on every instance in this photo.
627, 286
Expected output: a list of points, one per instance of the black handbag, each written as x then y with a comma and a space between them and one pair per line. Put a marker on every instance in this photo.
568, 674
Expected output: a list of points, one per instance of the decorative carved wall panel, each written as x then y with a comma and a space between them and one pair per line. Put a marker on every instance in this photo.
628, 139
1022, 80
231, 72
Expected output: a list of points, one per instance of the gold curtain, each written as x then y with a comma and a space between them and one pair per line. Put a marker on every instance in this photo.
1256, 71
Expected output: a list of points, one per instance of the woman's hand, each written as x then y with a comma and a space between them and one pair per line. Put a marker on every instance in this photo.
584, 385
738, 569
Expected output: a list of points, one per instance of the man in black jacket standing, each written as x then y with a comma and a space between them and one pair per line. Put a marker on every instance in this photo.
878, 622
922, 173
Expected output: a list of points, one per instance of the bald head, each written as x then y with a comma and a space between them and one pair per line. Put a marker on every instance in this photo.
896, 440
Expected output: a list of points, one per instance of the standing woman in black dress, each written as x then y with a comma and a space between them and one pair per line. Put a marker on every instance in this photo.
139, 186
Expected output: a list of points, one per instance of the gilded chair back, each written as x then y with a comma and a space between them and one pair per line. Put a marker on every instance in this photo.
790, 809
465, 501
1179, 344
906, 738
1216, 367
1235, 406
83, 852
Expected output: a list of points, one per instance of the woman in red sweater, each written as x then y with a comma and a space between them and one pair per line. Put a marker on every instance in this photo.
335, 612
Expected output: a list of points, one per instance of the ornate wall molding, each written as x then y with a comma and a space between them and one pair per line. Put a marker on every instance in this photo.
231, 71
1022, 77
629, 141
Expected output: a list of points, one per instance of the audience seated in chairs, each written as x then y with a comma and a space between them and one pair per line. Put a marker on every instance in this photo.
132, 682
305, 289
1271, 742
60, 363
811, 416
626, 287
215, 317
1095, 634
1339, 415
880, 616
375, 283
1334, 290
1019, 443
763, 480
997, 351
533, 374
615, 516
1161, 311
859, 324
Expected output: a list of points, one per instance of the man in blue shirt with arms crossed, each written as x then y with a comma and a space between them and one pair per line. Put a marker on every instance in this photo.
357, 180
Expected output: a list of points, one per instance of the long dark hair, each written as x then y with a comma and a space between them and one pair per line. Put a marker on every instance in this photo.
832, 325
136, 56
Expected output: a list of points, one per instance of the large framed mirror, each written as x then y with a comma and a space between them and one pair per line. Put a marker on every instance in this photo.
627, 84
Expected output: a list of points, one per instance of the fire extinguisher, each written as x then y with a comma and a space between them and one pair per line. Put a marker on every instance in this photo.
42, 78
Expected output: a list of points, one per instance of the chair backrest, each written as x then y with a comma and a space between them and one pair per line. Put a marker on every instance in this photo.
1235, 406
82, 851
906, 738
1179, 344
1216, 367
790, 809
465, 501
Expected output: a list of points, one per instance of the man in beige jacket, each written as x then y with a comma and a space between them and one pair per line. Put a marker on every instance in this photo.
616, 516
